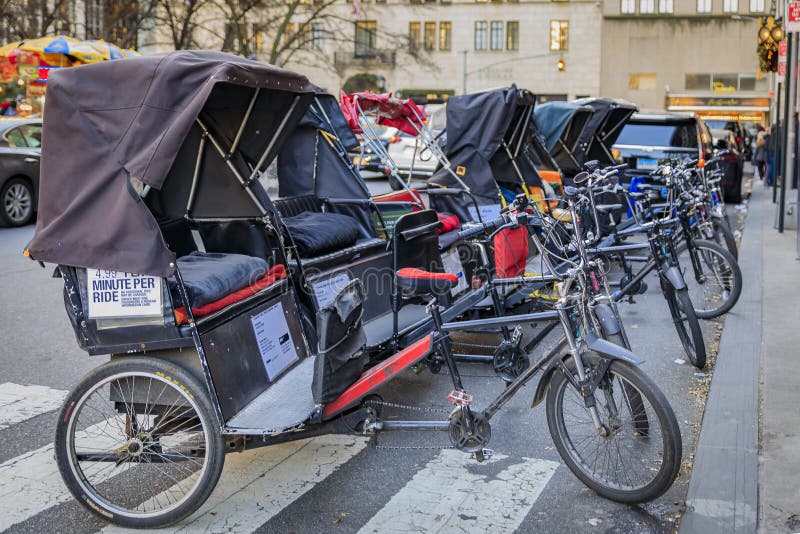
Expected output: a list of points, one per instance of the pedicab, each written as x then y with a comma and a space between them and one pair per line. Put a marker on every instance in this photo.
602, 129
562, 124
174, 261
313, 183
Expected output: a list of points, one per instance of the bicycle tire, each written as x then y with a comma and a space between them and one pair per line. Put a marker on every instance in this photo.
682, 311
111, 497
667, 464
721, 287
723, 235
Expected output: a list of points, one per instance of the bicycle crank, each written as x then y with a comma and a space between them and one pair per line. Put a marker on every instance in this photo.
464, 440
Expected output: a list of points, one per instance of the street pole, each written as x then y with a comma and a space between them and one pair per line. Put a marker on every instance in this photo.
464, 71
776, 142
789, 124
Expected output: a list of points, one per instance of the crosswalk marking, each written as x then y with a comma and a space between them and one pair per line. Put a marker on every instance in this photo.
258, 484
19, 403
31, 482
455, 494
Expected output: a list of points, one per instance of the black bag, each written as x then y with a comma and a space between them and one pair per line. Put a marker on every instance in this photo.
341, 356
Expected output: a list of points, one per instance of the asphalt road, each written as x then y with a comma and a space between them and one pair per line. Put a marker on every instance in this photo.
339, 483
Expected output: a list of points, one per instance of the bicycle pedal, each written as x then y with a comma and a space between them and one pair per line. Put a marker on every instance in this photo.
460, 398
483, 454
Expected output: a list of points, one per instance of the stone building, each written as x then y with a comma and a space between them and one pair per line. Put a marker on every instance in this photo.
461, 44
685, 55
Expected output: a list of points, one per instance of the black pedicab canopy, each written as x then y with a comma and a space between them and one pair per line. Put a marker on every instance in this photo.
561, 124
603, 128
487, 141
195, 128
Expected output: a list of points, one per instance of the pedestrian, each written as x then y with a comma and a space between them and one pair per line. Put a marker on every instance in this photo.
11, 110
760, 157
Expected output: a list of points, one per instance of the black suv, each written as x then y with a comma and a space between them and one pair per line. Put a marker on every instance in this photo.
649, 139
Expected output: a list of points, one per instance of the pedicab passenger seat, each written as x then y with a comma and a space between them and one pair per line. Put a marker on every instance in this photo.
214, 281
298, 209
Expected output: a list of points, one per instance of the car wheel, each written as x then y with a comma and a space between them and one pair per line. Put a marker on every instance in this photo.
17, 199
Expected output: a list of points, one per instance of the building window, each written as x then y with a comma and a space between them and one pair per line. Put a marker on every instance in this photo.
698, 82
642, 81
317, 34
430, 36
559, 35
665, 6
414, 35
725, 83
730, 6
627, 6
288, 34
445, 36
757, 6
480, 35
647, 6
496, 40
94, 18
366, 38
704, 6
512, 35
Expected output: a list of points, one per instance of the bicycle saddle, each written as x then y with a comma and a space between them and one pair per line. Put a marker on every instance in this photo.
416, 282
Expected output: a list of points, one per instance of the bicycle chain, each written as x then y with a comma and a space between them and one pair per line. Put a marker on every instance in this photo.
424, 409
399, 406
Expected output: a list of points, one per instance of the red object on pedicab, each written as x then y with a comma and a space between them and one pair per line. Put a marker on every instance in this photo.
404, 115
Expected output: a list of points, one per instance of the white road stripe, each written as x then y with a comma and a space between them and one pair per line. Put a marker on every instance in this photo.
18, 403
258, 484
31, 483
456, 494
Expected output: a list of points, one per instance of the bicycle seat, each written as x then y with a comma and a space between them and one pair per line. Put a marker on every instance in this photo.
416, 282
606, 208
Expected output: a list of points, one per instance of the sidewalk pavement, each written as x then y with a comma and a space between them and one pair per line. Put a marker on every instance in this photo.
746, 473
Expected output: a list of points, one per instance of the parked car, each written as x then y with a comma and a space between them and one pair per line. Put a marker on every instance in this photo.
742, 138
407, 152
731, 161
652, 138
20, 152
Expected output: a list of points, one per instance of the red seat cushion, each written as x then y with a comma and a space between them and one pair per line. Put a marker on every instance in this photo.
276, 273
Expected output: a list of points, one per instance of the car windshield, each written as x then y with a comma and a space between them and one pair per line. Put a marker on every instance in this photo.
659, 134
720, 125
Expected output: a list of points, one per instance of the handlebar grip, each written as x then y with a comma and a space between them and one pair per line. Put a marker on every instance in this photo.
487, 227
620, 167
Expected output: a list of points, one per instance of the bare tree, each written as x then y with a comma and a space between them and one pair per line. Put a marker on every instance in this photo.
27, 19
182, 20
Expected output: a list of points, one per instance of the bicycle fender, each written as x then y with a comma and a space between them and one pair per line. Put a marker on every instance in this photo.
609, 350
604, 348
673, 274
544, 382
608, 321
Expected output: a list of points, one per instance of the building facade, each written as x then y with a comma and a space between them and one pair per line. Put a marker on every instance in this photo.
685, 55
449, 46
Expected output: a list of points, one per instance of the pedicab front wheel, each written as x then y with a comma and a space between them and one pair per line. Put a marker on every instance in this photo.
138, 443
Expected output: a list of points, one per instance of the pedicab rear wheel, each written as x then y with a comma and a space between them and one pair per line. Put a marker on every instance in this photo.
138, 443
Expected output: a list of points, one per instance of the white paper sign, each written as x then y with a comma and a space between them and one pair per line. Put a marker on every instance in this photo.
325, 290
274, 340
488, 212
452, 265
118, 294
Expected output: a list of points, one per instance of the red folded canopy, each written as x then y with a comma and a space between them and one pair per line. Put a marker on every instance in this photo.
404, 115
